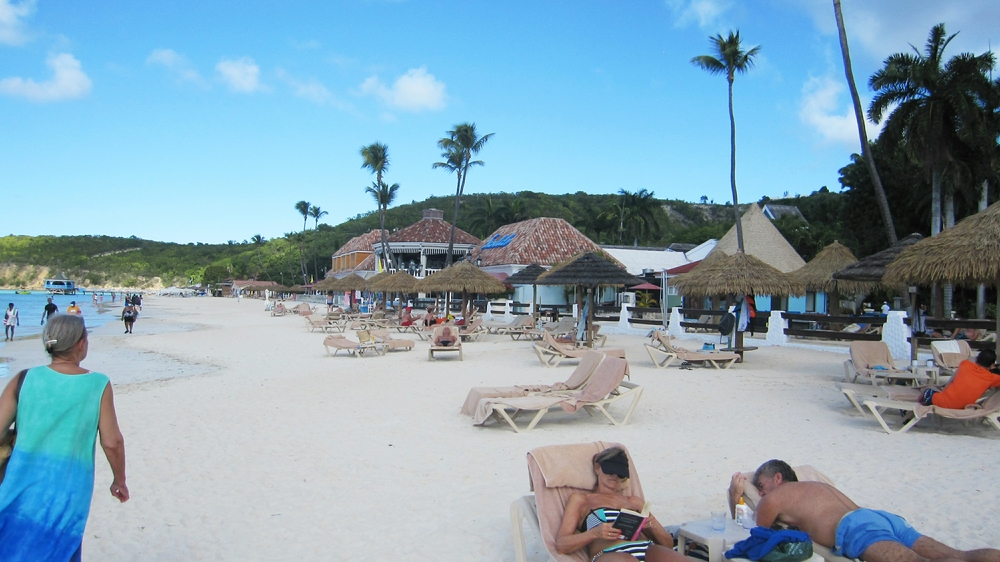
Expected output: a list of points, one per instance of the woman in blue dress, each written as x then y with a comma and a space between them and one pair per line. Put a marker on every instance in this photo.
59, 410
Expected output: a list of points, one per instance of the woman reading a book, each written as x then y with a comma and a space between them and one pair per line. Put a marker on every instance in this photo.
609, 525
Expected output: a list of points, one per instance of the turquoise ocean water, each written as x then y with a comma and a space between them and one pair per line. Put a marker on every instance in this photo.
30, 308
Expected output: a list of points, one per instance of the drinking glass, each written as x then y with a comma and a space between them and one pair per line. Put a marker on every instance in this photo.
718, 520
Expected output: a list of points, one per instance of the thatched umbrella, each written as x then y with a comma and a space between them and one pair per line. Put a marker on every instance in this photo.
966, 254
370, 285
528, 276
817, 275
872, 268
738, 274
715, 256
399, 282
298, 289
590, 271
352, 282
462, 277
326, 284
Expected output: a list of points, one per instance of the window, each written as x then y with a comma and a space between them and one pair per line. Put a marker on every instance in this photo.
810, 301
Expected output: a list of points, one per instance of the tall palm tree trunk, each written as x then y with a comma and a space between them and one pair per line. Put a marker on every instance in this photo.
949, 221
454, 221
387, 253
937, 297
859, 115
981, 289
732, 168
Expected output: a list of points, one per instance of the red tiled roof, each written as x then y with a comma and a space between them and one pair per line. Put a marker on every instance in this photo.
367, 264
432, 230
362, 243
544, 241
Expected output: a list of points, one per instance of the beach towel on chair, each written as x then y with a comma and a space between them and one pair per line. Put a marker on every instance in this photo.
773, 546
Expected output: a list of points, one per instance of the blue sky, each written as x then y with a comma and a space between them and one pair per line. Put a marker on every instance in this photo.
206, 121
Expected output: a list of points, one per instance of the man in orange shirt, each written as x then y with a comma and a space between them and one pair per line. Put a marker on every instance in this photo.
970, 382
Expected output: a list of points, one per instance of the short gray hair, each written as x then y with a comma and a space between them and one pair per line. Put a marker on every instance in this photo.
62, 332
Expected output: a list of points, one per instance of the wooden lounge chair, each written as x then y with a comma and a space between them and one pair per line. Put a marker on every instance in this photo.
383, 337
556, 472
581, 374
605, 387
473, 331
340, 343
988, 409
949, 353
663, 354
551, 352
436, 347
871, 361
804, 473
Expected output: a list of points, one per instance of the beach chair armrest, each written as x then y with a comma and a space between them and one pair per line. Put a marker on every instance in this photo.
523, 509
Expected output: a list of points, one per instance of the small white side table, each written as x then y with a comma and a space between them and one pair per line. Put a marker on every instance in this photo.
716, 541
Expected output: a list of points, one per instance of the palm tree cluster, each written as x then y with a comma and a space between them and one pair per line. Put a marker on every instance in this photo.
458, 148
944, 114
375, 157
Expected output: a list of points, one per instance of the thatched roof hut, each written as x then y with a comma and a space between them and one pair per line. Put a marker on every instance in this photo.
966, 254
461, 277
527, 276
399, 282
738, 274
352, 282
713, 257
370, 281
298, 289
588, 270
817, 275
762, 240
872, 268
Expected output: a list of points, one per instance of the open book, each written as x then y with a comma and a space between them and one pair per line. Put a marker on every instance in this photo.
631, 523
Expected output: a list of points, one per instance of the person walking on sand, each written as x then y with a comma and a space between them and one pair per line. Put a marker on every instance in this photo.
10, 319
60, 410
50, 309
129, 315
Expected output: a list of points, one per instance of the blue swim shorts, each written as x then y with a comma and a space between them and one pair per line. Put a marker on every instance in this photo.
862, 528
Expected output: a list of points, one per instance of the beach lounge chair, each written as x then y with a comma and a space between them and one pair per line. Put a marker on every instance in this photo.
521, 327
550, 352
555, 473
340, 343
313, 324
663, 353
473, 331
987, 409
495, 327
858, 393
804, 473
605, 387
949, 353
872, 362
383, 337
439, 332
278, 310
302, 309
588, 364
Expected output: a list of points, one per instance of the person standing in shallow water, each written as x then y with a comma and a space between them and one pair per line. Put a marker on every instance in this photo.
60, 410
50, 309
10, 319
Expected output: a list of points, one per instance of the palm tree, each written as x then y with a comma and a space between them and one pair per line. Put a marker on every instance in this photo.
384, 195
303, 208
316, 213
936, 106
859, 115
462, 143
485, 219
729, 59
257, 239
375, 157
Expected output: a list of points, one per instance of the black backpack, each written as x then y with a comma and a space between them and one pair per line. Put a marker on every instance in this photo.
727, 324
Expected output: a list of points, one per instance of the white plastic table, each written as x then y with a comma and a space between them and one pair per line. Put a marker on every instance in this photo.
717, 542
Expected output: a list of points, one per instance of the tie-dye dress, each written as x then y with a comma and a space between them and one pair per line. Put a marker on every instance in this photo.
45, 495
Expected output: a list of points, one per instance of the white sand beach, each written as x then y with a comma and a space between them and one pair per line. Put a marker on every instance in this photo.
245, 441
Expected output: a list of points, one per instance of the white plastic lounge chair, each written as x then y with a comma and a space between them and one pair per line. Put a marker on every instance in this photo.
663, 354
987, 410
522, 327
805, 473
556, 472
871, 361
588, 364
390, 343
949, 353
605, 387
502, 327
858, 393
437, 348
473, 331
551, 353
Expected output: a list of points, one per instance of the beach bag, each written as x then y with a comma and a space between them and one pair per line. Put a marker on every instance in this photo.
789, 551
7, 443
769, 545
727, 324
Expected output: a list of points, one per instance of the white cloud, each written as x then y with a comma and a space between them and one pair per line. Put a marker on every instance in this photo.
827, 108
416, 90
705, 13
11, 16
313, 90
879, 29
242, 75
177, 64
68, 82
